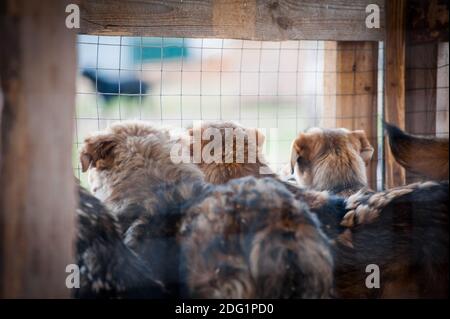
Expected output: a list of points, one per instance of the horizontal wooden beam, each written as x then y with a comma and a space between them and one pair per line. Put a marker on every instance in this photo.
273, 20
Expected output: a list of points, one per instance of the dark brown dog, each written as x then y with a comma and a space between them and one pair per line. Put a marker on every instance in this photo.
108, 268
255, 226
251, 239
425, 156
404, 231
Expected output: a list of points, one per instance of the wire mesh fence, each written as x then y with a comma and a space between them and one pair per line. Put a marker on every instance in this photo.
282, 87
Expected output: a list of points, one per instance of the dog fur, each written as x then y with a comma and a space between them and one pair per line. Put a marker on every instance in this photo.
331, 159
425, 156
402, 230
394, 229
108, 268
130, 168
251, 239
220, 173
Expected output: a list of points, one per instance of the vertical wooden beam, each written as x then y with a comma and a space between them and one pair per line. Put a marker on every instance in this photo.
442, 90
356, 93
394, 90
37, 194
420, 88
420, 92
351, 89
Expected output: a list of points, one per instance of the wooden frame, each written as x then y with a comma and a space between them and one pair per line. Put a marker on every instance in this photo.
37, 198
270, 20
37, 74
351, 88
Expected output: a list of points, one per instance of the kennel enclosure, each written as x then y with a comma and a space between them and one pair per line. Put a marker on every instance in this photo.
38, 71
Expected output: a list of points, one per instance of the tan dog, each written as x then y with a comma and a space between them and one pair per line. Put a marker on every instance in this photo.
113, 156
331, 159
246, 141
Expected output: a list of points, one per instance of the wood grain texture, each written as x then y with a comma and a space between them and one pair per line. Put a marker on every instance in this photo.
420, 92
420, 88
271, 20
37, 198
352, 89
394, 83
442, 99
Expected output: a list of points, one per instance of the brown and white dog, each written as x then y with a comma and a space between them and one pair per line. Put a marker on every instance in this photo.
249, 238
334, 160
391, 229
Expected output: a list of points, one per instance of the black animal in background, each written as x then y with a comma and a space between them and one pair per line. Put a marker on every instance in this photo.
110, 89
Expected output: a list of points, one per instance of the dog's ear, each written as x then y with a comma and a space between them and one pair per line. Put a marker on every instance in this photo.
294, 154
97, 151
363, 145
302, 147
260, 138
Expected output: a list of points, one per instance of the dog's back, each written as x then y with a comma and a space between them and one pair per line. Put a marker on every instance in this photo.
250, 238
404, 231
427, 157
108, 269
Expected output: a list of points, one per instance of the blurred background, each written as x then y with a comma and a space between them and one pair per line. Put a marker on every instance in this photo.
276, 86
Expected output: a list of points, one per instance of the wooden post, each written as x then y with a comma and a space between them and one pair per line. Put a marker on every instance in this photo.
351, 91
442, 90
394, 87
420, 92
356, 94
37, 195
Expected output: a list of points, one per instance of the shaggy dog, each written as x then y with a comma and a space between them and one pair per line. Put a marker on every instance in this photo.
251, 239
228, 165
331, 159
204, 240
424, 156
108, 268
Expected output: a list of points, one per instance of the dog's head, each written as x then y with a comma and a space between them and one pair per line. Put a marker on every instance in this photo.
130, 155
331, 159
226, 150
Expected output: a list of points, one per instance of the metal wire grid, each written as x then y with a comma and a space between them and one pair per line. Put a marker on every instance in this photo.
442, 126
280, 85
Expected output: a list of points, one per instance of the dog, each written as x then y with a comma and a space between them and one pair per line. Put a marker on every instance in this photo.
234, 140
108, 268
404, 231
427, 157
131, 169
331, 159
250, 238
409, 262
